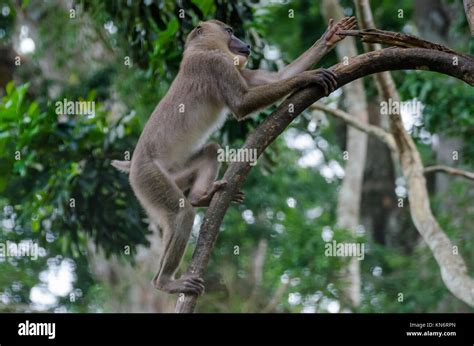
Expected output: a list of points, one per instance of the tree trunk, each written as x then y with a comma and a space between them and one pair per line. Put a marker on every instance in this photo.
390, 223
349, 200
434, 27
469, 9
7, 66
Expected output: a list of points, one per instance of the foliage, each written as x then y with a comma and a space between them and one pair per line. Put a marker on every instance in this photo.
452, 111
58, 171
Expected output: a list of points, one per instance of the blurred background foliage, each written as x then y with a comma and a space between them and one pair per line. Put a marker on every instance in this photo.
57, 187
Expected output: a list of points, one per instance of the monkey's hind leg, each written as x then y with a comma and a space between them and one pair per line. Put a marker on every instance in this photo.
175, 241
205, 168
167, 206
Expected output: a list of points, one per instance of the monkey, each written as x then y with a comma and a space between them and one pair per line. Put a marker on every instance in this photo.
172, 170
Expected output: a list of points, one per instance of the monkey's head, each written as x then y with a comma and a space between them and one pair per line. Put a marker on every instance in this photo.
214, 34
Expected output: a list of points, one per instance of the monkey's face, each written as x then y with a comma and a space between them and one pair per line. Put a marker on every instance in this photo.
239, 48
215, 32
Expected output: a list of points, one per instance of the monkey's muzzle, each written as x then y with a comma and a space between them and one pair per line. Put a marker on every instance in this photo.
245, 51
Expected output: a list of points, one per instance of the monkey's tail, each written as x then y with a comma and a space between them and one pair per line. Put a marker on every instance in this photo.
122, 166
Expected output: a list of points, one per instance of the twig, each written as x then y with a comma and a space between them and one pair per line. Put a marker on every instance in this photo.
375, 131
273, 303
450, 170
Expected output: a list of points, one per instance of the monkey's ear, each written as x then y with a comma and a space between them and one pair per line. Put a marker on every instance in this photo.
198, 30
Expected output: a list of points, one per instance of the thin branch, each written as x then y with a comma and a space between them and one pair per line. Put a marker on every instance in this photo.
372, 130
359, 66
372, 35
258, 262
276, 298
450, 170
348, 206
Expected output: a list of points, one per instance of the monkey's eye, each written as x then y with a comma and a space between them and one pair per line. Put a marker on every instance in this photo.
229, 30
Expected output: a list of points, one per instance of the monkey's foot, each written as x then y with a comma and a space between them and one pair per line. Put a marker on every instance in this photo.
186, 284
217, 185
238, 197
205, 199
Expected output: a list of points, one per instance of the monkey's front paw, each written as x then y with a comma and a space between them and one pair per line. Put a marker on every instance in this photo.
331, 36
190, 285
186, 284
326, 79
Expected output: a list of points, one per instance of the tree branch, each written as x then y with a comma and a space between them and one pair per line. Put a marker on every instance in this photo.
372, 130
397, 39
359, 66
450, 170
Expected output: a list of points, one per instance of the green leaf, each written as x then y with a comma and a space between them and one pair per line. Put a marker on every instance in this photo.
65, 243
35, 225
32, 108
9, 87
24, 4
206, 6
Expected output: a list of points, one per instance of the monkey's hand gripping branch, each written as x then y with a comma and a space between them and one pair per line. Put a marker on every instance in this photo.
408, 58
